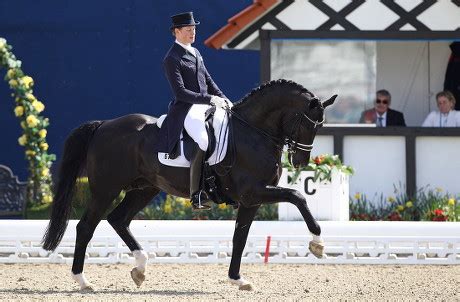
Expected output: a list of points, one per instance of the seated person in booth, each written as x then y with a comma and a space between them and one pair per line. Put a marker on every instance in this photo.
381, 114
446, 116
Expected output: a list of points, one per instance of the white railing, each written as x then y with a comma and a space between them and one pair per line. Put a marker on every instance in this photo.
211, 242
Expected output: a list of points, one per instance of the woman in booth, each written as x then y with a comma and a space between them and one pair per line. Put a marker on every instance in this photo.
446, 116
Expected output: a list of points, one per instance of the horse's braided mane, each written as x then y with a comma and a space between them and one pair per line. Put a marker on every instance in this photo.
274, 83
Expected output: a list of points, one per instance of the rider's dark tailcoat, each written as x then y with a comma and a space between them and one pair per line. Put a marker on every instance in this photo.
191, 84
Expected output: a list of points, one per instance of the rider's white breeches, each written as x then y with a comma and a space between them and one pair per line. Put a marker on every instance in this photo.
194, 124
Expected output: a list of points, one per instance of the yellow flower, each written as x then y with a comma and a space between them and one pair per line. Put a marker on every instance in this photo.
44, 146
30, 153
32, 121
439, 190
30, 97
42, 133
168, 208
400, 208
47, 198
2, 43
409, 204
10, 74
22, 140
38, 106
13, 83
451, 202
391, 199
181, 200
23, 125
358, 196
27, 81
19, 111
222, 206
45, 172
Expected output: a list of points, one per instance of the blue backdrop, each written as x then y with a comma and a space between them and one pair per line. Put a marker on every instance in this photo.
103, 59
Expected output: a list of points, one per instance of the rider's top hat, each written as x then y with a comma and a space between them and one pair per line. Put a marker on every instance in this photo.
183, 19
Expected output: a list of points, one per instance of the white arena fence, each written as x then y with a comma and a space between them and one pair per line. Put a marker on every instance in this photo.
191, 241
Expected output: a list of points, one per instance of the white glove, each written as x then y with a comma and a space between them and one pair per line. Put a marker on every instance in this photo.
219, 102
229, 103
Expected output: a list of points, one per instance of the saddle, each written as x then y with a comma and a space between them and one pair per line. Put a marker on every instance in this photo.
217, 127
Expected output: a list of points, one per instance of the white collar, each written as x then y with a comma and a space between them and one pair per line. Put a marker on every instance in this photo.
187, 47
384, 116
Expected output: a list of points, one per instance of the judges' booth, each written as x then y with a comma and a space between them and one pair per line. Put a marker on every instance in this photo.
353, 48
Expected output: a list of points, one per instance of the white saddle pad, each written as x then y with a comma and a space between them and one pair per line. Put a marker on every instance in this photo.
219, 123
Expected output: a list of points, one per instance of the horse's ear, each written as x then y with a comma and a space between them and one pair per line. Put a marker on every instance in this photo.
330, 101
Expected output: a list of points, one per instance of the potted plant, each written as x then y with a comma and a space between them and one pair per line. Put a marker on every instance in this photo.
324, 183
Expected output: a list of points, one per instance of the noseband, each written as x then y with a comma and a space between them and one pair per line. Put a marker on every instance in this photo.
294, 145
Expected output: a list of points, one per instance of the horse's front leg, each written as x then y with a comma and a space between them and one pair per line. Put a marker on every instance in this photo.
244, 220
272, 194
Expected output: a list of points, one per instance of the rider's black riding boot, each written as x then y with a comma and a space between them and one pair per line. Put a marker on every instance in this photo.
198, 197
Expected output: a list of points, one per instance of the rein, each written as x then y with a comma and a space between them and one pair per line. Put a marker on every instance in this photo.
227, 168
277, 142
293, 145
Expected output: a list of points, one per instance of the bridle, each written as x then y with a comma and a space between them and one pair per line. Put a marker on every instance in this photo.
294, 144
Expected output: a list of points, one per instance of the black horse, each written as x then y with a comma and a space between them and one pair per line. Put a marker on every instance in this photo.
117, 155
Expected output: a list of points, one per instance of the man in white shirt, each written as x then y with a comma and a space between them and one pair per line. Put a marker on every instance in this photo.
446, 116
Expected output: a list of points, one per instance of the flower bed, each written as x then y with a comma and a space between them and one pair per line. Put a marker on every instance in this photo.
177, 208
169, 208
427, 204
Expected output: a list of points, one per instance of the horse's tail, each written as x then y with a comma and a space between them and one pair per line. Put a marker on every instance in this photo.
72, 165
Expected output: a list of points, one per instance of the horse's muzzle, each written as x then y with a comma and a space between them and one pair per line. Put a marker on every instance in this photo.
299, 159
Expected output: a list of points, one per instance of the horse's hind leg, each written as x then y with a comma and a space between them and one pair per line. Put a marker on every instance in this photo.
244, 220
121, 217
85, 230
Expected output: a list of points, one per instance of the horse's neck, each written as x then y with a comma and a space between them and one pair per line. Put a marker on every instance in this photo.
263, 115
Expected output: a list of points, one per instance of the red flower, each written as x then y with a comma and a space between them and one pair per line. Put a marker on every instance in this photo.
439, 215
395, 216
438, 212
319, 159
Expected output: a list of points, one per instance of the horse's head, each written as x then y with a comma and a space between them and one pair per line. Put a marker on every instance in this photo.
305, 123
286, 112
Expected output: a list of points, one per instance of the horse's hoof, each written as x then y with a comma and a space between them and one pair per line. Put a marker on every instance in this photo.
138, 276
317, 249
242, 284
87, 289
